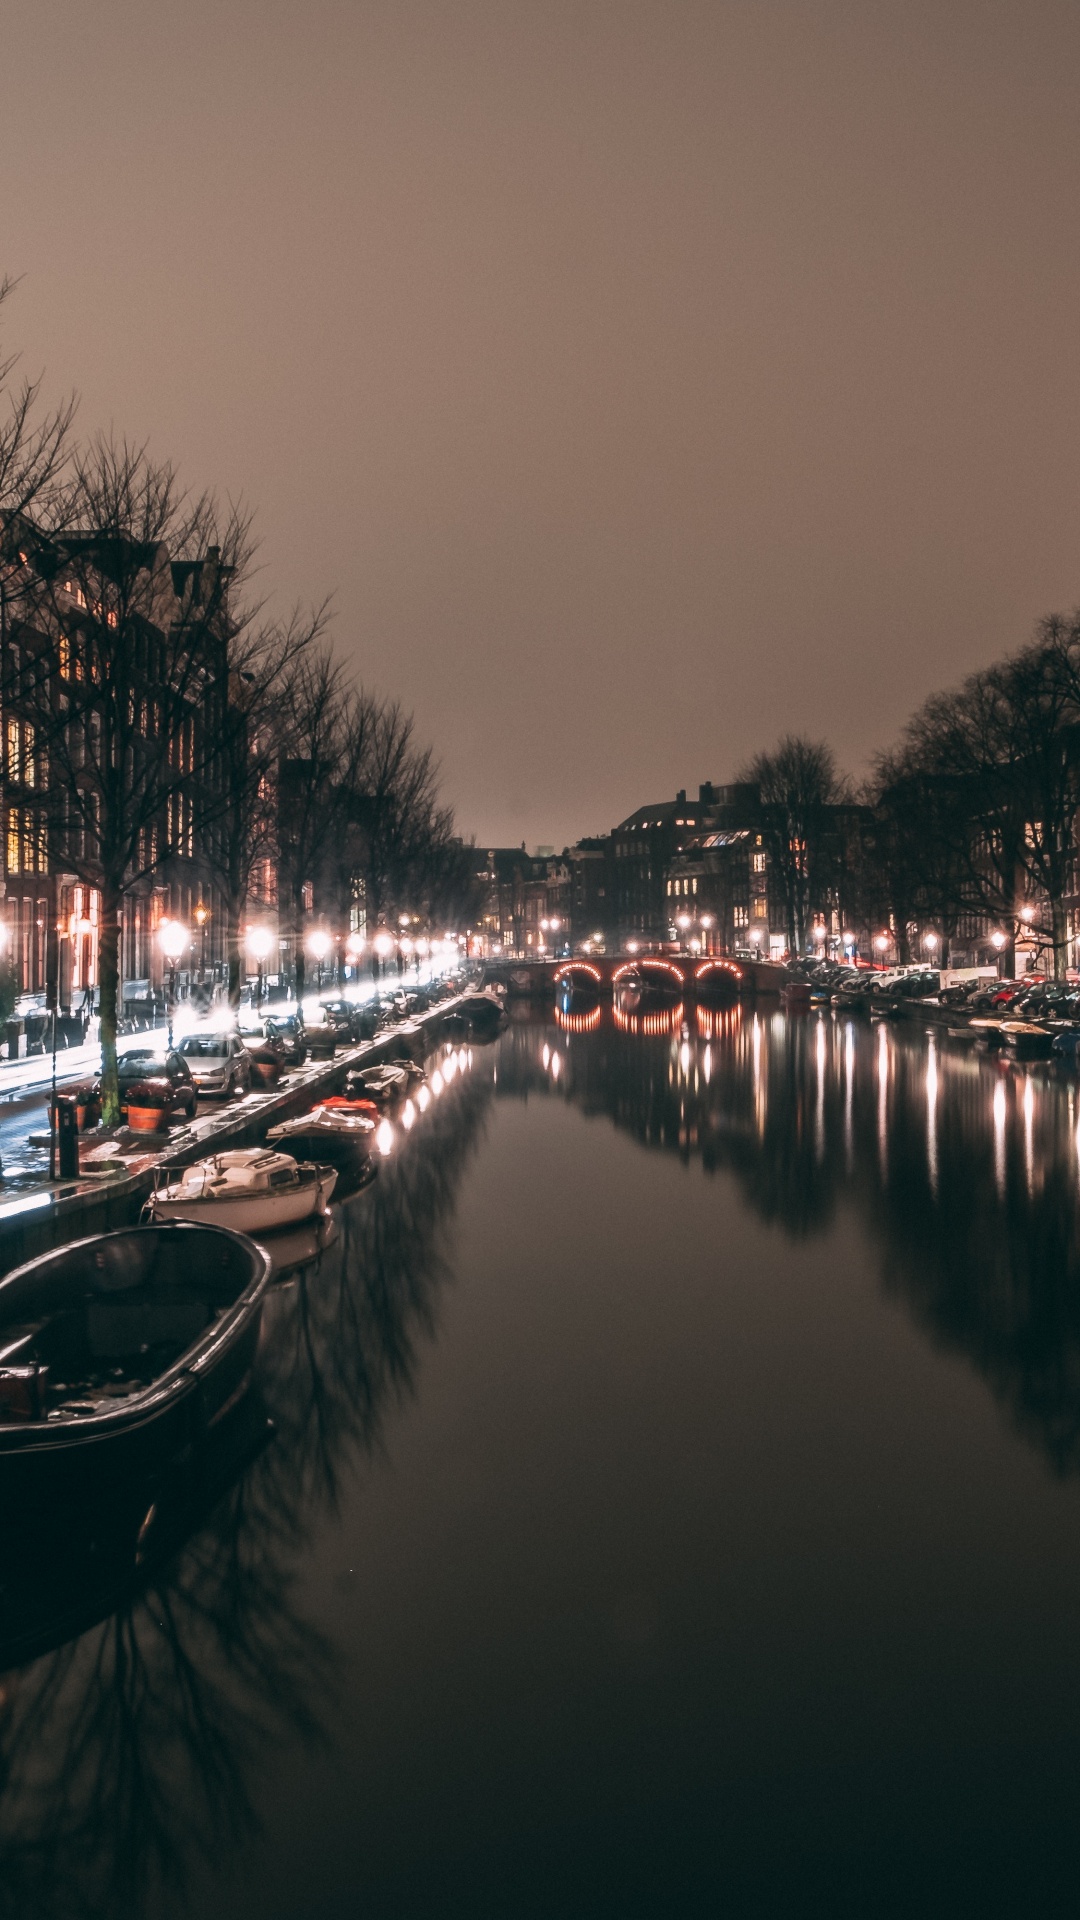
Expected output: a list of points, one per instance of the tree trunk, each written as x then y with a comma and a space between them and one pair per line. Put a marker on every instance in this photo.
236, 974
108, 990
299, 956
1061, 937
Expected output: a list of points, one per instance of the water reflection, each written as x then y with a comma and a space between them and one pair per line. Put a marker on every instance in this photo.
965, 1167
129, 1754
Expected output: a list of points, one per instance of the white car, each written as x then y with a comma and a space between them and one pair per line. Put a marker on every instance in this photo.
218, 1062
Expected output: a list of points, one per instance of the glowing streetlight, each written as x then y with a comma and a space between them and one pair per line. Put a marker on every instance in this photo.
1027, 914
383, 944
998, 940
930, 941
173, 939
318, 944
259, 941
881, 942
819, 933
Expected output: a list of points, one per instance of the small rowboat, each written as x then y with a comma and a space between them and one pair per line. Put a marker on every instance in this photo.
251, 1189
380, 1086
326, 1134
120, 1351
1026, 1040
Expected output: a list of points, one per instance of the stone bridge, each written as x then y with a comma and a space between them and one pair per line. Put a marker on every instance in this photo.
601, 973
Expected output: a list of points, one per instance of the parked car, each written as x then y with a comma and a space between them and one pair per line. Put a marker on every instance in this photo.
346, 1017
289, 1029
269, 1054
218, 1062
166, 1070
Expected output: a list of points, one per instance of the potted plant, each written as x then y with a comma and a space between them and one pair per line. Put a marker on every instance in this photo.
148, 1103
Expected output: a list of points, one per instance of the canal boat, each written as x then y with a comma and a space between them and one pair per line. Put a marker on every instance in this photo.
795, 995
252, 1189
381, 1085
1027, 1041
119, 1351
326, 1135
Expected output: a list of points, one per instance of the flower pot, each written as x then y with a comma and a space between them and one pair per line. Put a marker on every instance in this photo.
146, 1119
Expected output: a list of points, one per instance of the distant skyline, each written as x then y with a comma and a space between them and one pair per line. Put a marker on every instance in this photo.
644, 380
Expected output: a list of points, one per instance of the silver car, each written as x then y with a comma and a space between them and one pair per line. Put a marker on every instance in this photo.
218, 1062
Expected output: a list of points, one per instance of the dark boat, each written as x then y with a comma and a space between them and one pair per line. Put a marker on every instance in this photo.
330, 1134
119, 1352
1026, 1040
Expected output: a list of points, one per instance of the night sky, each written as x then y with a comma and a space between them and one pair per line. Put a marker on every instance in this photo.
644, 379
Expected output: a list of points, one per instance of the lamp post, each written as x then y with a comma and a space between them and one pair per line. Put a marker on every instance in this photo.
682, 921
174, 939
381, 948
202, 921
259, 942
706, 925
930, 942
318, 945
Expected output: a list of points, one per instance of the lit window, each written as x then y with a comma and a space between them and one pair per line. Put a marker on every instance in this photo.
14, 755
12, 841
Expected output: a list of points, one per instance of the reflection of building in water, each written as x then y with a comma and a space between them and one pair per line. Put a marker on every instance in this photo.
127, 1755
967, 1168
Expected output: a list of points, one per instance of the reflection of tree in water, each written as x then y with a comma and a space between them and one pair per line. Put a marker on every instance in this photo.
965, 1168
126, 1755
343, 1336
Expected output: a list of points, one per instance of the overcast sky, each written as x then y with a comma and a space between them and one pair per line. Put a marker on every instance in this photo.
645, 380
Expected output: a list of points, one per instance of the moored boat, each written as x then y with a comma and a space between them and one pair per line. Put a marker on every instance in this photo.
252, 1189
1026, 1040
119, 1351
326, 1134
381, 1085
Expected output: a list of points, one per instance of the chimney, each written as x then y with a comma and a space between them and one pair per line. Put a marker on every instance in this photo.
680, 797
707, 794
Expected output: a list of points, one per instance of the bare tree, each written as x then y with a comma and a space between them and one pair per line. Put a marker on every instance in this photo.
316, 720
1007, 743
798, 786
239, 823
124, 670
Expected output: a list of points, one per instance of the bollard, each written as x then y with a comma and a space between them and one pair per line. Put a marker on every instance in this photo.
67, 1138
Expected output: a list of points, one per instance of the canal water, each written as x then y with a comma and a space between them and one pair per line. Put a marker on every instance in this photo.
672, 1508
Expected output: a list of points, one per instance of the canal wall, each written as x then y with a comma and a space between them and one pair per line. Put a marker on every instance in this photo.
32, 1223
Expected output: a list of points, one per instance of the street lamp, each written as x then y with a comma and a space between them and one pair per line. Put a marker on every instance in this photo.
881, 941
174, 940
318, 945
707, 921
930, 941
382, 947
682, 921
202, 921
259, 942
998, 940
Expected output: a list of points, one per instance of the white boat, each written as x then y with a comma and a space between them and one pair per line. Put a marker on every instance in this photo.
251, 1189
382, 1085
334, 1135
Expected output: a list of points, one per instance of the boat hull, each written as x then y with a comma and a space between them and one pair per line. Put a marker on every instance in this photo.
250, 1213
142, 1434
